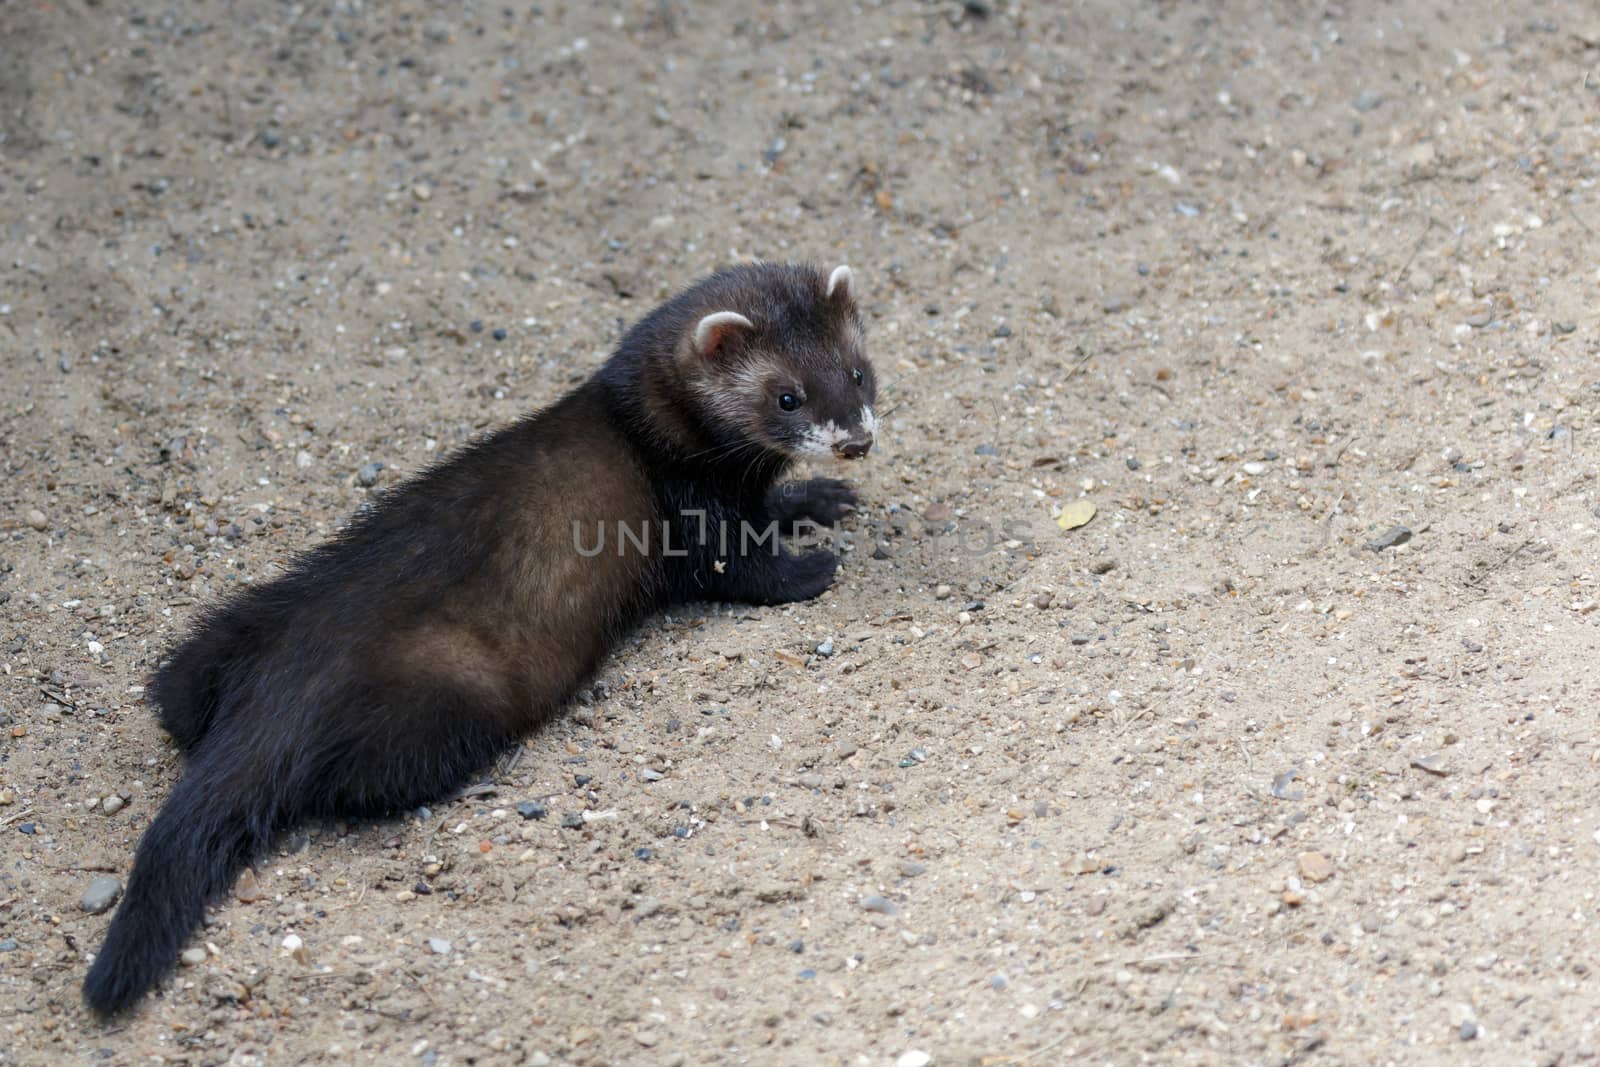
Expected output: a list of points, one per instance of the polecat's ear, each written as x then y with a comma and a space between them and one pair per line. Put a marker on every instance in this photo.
715, 329
839, 283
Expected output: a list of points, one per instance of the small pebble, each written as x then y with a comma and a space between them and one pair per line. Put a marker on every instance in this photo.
1315, 867
368, 475
986, 450
112, 804
941, 592
825, 649
881, 905
439, 946
913, 1058
8, 945
1468, 1031
193, 957
1433, 764
1283, 786
1390, 538
1367, 100
247, 889
572, 821
101, 894
36, 519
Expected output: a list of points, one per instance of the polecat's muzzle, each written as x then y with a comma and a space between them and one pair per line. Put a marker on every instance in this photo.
854, 448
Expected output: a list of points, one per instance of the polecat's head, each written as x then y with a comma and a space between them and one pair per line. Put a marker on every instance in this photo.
775, 357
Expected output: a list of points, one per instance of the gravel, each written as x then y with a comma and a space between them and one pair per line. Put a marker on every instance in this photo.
1354, 291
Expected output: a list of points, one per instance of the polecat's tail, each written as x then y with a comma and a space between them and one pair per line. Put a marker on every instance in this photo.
211, 826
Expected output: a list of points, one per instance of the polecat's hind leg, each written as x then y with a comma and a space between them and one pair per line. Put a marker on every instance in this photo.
188, 688
411, 746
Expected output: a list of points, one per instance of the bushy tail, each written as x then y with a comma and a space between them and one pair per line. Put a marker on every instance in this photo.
212, 825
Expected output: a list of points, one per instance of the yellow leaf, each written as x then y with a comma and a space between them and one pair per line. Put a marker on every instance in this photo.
1075, 514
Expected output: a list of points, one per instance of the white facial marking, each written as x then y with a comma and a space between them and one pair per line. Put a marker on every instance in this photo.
869, 422
821, 438
839, 279
712, 323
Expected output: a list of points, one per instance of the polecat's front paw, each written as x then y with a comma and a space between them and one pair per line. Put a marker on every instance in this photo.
805, 576
823, 501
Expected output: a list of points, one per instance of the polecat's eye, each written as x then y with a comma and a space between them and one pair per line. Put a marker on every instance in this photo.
856, 375
789, 402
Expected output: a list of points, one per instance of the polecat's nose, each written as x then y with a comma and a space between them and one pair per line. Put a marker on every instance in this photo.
854, 448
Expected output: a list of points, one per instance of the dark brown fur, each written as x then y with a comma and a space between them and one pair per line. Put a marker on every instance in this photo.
388, 664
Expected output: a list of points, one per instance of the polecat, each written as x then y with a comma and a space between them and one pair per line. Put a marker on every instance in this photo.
386, 665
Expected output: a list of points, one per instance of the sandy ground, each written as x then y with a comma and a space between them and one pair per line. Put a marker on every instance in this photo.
1215, 778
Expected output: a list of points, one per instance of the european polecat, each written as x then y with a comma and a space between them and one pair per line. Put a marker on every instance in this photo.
385, 666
